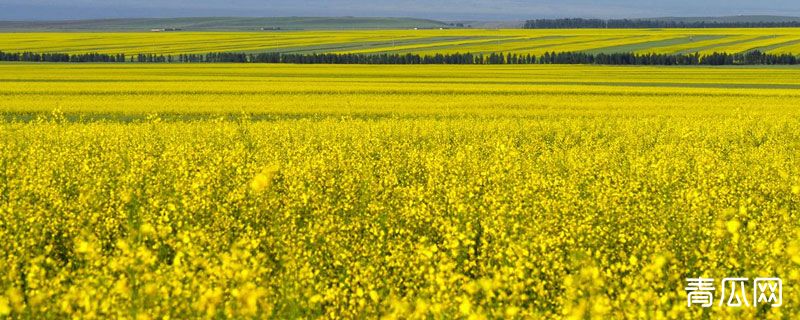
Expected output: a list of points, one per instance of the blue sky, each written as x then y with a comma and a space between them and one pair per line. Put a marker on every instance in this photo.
447, 9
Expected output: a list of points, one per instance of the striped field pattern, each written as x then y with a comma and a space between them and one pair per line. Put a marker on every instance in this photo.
426, 42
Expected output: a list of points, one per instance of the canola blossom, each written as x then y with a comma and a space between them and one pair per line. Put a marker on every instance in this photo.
406, 192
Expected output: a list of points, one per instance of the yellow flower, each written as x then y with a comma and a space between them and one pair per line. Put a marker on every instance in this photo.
83, 246
512, 311
465, 307
732, 226
5, 309
263, 179
147, 229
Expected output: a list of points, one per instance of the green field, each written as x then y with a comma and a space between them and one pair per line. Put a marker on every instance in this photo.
426, 42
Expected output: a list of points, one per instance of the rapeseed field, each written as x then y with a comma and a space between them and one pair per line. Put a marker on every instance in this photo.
423, 42
144, 191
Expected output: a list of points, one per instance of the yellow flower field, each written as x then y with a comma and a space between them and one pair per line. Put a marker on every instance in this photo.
427, 42
351, 191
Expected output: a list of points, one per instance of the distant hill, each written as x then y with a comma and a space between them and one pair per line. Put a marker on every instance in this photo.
221, 23
345, 23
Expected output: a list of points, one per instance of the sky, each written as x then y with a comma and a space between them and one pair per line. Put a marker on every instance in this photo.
446, 9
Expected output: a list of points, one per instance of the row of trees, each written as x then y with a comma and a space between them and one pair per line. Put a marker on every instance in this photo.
714, 59
580, 23
748, 58
61, 57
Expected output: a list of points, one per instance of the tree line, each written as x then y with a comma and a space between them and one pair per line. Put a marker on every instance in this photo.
62, 57
748, 58
580, 23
